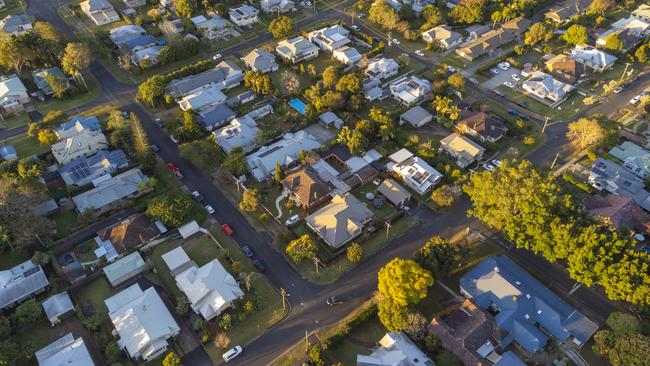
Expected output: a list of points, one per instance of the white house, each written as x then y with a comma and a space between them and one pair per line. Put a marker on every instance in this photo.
134, 3
414, 171
203, 99
464, 150
86, 143
410, 90
330, 38
124, 268
243, 15
636, 26
16, 24
213, 27
642, 12
142, 321
273, 6
67, 350
591, 56
262, 162
396, 349
2, 4
13, 94
296, 50
341, 220
101, 12
347, 55
546, 87
416, 117
382, 68
442, 35
241, 132
261, 61
111, 191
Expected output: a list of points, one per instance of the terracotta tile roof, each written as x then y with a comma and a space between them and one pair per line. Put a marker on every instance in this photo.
483, 124
619, 211
307, 185
130, 233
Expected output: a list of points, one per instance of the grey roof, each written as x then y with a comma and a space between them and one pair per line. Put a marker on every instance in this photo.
123, 269
416, 115
8, 152
45, 208
118, 187
341, 220
617, 179
84, 170
331, 119
241, 132
522, 303
65, 351
393, 192
510, 359
13, 23
57, 305
285, 151
216, 116
261, 60
226, 72
20, 282
41, 82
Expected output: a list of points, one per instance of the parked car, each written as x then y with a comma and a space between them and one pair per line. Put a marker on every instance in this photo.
155, 148
209, 209
354, 27
516, 77
419, 53
248, 251
197, 196
489, 167
334, 300
158, 122
216, 57
174, 170
259, 265
226, 229
618, 90
509, 84
450, 68
635, 100
292, 220
503, 65
498, 92
395, 40
494, 70
125, 114
496, 162
232, 353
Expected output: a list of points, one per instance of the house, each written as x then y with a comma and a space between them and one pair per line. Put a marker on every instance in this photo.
409, 90
76, 126
382, 68
635, 158
203, 99
142, 321
241, 98
2, 4
8, 152
642, 12
592, 57
134, 3
146, 55
67, 350
274, 6
112, 191
443, 36
566, 69
213, 27
304, 186
210, 289
240, 133
494, 39
485, 127
13, 94
351, 171
526, 311
215, 116
16, 24
629, 39
395, 349
347, 55
330, 38
546, 88
124, 269
414, 171
416, 116
633, 25
330, 119
243, 15
474, 31
261, 163
225, 75
84, 170
340, 221
464, 150
101, 12
43, 79
296, 50
130, 233
567, 10
172, 27
20, 283
261, 61
58, 307
616, 179
394, 193
123, 34
86, 143
618, 211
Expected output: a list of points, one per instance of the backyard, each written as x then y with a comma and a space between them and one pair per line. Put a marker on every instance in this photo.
26, 146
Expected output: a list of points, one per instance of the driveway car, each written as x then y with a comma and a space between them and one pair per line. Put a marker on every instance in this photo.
516, 77
232, 353
355, 28
396, 41
197, 196
509, 84
292, 220
226, 229
489, 167
494, 70
636, 100
419, 53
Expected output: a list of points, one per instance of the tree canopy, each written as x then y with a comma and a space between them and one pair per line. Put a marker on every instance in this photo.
281, 27
438, 256
404, 282
173, 209
576, 34
301, 249
585, 133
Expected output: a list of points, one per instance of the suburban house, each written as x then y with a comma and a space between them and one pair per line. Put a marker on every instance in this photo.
476, 30
395, 349
261, 163
443, 35
304, 186
484, 126
8, 152
133, 40
261, 61
546, 88
142, 321
635, 26
83, 170
340, 221
416, 117
274, 6
243, 15
494, 39
13, 94
86, 143
347, 55
173, 27
225, 75
124, 268
296, 50
124, 34
101, 12
464, 150
210, 289
410, 90
2, 4
635, 158
43, 77
241, 98
642, 12
346, 171
566, 69
131, 233
16, 24
240, 133
21, 283
372, 90
76, 126
414, 171
112, 191
330, 38
58, 307
592, 57
215, 116
203, 99
618, 211
330, 119
134, 3
616, 179
567, 10
67, 350
394, 193
213, 27
382, 68
628, 37
525, 311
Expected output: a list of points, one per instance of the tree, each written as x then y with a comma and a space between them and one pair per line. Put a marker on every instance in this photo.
76, 60
576, 34
392, 315
59, 85
438, 256
354, 252
624, 345
624, 323
383, 14
235, 163
28, 312
281, 27
151, 89
353, 139
446, 358
406, 12
613, 43
278, 173
5, 327
18, 224
585, 133
301, 248
182, 305
600, 6
404, 282
330, 76
190, 129
349, 83
257, 82
468, 12
13, 55
172, 358
9, 352
112, 352
456, 81
642, 53
432, 16
315, 357
185, 8
443, 196
141, 146
47, 137
173, 209
249, 200
33, 129
537, 33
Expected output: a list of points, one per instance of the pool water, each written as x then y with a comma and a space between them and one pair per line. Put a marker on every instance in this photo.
298, 105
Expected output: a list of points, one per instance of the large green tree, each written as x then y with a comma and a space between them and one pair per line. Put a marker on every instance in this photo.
537, 33
301, 249
281, 27
624, 345
76, 60
468, 12
576, 34
151, 89
403, 281
258, 82
438, 255
173, 209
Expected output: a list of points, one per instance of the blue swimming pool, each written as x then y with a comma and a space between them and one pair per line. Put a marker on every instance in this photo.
298, 105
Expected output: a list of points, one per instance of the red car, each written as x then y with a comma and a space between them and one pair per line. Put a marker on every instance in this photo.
226, 229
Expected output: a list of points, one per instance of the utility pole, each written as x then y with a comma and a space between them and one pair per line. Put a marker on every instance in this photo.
545, 124
283, 293
390, 39
354, 14
627, 64
554, 160
387, 228
306, 341
316, 262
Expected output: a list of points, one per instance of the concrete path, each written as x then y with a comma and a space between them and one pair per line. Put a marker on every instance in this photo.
277, 205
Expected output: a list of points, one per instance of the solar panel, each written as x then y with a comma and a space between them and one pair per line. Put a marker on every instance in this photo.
31, 271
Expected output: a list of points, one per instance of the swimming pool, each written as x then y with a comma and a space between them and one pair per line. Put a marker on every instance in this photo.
298, 105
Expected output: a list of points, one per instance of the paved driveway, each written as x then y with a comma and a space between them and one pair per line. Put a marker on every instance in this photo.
500, 78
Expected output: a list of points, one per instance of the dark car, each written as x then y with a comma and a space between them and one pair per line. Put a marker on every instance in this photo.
259, 265
334, 300
248, 251
155, 148
158, 122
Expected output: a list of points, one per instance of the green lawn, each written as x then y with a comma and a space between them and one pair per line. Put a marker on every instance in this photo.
11, 258
15, 121
361, 339
452, 59
26, 146
94, 293
85, 252
563, 112
71, 102
12, 7
278, 79
66, 222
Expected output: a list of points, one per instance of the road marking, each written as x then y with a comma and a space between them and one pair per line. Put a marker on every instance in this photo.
575, 288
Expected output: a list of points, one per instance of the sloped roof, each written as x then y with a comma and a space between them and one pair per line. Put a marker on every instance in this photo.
305, 183
66, 351
84, 143
395, 193
130, 233
12, 23
124, 267
621, 211
84, 170
223, 71
20, 282
340, 220
416, 115
116, 188
57, 305
76, 125
483, 124
260, 59
40, 78
462, 144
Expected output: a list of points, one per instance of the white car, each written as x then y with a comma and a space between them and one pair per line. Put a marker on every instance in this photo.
494, 70
509, 84
636, 100
489, 167
232, 353
516, 77
503, 65
419, 53
496, 162
618, 90
292, 220
209, 209
395, 40
217, 57
355, 28
450, 68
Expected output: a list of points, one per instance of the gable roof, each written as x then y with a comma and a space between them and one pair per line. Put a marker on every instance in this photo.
305, 183
483, 124
56, 306
177, 260
11, 85
620, 211
393, 192
124, 268
260, 60
85, 143
262, 162
20, 282
396, 349
8, 152
116, 188
65, 351
40, 78
341, 220
13, 23
443, 33
130, 233
76, 125
416, 115
226, 72
461, 144
84, 170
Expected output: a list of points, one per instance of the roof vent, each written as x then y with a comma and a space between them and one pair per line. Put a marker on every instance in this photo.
518, 283
527, 316
496, 269
528, 296
539, 311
